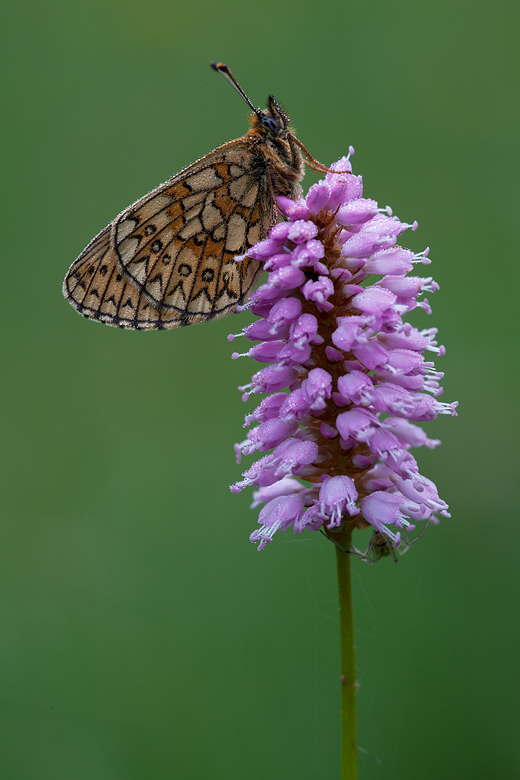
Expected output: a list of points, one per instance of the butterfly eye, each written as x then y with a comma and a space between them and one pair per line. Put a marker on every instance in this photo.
271, 123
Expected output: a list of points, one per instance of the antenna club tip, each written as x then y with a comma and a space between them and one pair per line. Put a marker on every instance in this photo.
222, 68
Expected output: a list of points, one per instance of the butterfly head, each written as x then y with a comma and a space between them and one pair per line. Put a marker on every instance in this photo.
274, 119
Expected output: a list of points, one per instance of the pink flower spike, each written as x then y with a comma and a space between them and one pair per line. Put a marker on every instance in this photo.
347, 376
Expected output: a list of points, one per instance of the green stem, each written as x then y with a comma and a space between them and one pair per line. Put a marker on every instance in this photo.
348, 670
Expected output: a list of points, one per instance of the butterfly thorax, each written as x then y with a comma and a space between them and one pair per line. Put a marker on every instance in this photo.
275, 155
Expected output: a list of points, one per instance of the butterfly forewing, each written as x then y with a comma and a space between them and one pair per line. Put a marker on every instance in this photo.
169, 259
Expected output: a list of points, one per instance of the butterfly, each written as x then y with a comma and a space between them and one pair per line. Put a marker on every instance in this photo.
169, 258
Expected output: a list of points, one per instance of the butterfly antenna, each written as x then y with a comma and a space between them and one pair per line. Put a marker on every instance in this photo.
221, 67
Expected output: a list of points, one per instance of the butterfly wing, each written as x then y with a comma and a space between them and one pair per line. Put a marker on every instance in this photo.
97, 288
169, 259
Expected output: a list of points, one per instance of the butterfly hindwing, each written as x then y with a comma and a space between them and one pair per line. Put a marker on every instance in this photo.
97, 288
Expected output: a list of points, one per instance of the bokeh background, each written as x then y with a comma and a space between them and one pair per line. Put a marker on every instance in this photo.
142, 635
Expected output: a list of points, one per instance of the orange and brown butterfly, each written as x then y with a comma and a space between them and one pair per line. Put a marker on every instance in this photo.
169, 258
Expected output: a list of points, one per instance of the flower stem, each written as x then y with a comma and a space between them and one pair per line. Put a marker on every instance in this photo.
348, 670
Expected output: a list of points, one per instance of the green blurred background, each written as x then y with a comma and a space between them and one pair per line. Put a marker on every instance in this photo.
142, 635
